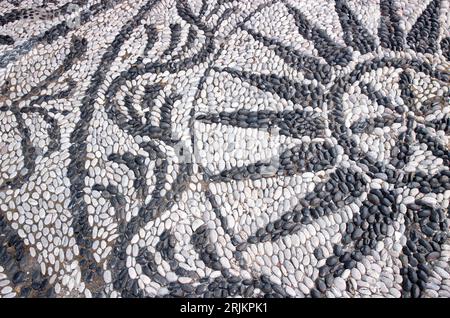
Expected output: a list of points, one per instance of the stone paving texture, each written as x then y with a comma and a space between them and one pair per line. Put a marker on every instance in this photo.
220, 148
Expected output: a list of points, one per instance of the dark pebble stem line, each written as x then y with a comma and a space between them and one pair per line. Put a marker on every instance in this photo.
152, 37
203, 8
191, 37
77, 49
121, 280
75, 170
175, 34
223, 220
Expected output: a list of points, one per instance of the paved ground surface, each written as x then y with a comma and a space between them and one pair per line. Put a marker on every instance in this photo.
217, 148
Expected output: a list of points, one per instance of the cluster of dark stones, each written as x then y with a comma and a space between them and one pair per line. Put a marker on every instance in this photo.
15, 15
128, 287
427, 231
227, 285
370, 226
23, 272
206, 250
6, 39
136, 164
334, 266
437, 183
310, 157
231, 286
166, 245
112, 194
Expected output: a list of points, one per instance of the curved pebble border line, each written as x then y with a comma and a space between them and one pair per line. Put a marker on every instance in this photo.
220, 148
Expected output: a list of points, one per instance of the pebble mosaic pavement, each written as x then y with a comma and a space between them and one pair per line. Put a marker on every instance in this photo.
220, 148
